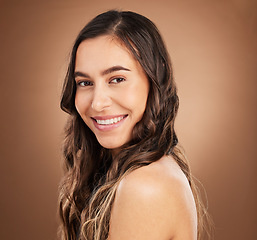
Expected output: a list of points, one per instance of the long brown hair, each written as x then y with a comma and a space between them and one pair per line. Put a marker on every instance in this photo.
92, 174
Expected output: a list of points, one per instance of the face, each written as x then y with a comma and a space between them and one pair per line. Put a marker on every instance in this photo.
112, 90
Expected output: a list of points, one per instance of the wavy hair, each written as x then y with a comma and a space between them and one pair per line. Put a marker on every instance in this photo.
92, 174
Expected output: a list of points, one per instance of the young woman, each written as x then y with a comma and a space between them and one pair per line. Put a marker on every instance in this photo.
126, 178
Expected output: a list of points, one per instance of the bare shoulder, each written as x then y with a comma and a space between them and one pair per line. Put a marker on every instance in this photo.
154, 202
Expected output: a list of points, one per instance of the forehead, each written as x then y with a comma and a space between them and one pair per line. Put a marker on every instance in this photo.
102, 52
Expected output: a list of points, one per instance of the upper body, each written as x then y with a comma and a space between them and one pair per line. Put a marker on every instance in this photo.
121, 181
154, 202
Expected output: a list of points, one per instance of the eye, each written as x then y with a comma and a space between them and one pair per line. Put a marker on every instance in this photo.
84, 83
117, 80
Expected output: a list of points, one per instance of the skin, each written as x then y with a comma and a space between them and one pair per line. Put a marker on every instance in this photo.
110, 84
152, 202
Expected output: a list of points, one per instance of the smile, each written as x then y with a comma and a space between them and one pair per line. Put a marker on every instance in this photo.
109, 121
105, 123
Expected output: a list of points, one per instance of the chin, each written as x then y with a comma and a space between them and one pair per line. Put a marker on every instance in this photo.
111, 144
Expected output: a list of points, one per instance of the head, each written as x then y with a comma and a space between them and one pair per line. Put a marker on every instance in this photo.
136, 39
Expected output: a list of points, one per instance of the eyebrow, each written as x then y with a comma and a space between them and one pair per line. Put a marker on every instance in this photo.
105, 72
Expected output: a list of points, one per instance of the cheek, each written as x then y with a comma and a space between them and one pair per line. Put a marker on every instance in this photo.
81, 103
77, 104
139, 98
135, 99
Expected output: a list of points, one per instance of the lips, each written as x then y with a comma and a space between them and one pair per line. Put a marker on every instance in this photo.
108, 122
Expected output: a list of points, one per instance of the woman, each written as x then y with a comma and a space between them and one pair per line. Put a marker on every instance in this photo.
125, 178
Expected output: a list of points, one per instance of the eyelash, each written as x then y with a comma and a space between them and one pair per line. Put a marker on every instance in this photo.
88, 83
118, 78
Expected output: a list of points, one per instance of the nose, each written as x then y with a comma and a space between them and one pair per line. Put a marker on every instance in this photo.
101, 99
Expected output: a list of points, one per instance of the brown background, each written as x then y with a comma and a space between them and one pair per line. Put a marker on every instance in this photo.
213, 49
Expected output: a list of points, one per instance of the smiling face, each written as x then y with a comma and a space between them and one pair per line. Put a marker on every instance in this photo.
112, 90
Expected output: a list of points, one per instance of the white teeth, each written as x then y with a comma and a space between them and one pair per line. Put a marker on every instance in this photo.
109, 121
